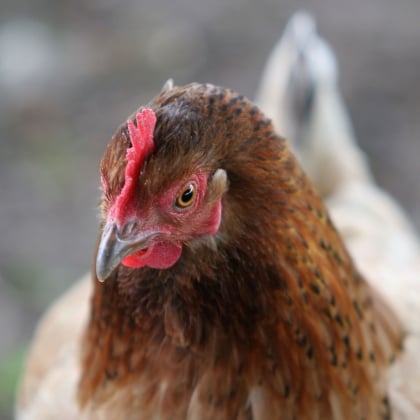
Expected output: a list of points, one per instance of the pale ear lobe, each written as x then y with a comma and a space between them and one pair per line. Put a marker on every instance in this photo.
168, 85
219, 183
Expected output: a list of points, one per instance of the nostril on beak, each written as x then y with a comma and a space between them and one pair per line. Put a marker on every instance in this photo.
128, 228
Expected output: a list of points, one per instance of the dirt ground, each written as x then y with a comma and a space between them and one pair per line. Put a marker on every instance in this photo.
72, 71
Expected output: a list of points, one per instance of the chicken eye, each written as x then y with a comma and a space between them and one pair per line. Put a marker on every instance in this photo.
186, 196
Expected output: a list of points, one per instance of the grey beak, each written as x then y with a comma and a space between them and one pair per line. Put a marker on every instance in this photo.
113, 249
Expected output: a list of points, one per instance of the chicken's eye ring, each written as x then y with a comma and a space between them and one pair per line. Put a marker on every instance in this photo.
186, 196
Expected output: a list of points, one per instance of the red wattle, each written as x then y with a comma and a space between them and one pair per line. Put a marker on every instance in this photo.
160, 255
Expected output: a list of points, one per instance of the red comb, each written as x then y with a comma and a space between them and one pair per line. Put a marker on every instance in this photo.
141, 138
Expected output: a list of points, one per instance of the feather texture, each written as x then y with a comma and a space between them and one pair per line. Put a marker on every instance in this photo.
267, 317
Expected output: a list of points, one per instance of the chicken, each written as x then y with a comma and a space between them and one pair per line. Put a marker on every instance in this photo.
221, 288
225, 291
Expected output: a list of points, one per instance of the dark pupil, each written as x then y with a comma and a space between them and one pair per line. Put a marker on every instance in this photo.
187, 195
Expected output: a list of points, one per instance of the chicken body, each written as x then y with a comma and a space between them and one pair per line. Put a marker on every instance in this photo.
263, 317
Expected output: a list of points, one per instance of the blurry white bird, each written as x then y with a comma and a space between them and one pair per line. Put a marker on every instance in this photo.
299, 91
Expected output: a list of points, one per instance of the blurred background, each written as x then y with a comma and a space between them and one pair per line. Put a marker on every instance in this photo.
72, 71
